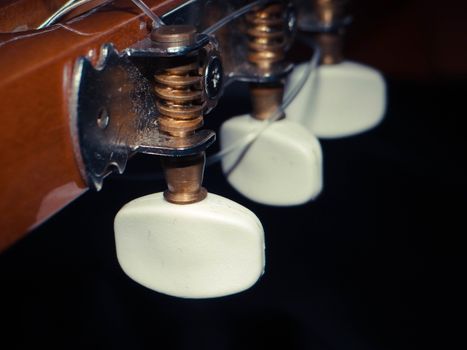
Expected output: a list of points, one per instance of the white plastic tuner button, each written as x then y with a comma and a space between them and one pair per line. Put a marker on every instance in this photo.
207, 249
282, 167
338, 100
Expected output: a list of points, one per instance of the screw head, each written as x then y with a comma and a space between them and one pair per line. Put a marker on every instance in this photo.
213, 78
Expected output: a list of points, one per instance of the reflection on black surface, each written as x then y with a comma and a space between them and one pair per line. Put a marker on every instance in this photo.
372, 264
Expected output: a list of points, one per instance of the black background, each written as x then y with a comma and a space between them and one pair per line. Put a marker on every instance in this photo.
373, 263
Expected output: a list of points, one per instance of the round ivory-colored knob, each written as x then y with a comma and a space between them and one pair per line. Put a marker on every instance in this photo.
338, 100
282, 167
207, 249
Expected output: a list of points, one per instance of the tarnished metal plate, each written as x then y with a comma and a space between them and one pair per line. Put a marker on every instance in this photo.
114, 115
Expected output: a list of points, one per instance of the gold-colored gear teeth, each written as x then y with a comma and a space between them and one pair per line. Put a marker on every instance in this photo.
180, 98
267, 34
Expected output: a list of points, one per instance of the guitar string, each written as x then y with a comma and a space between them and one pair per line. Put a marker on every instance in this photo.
47, 28
66, 8
157, 22
56, 14
250, 138
234, 15
73, 4
24, 36
76, 31
245, 142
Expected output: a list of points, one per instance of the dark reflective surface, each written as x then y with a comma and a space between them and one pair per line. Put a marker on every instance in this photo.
374, 263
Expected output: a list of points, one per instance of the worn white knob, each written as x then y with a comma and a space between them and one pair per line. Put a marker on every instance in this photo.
207, 249
338, 100
282, 167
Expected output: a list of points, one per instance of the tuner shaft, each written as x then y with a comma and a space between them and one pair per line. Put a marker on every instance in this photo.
267, 31
181, 105
328, 13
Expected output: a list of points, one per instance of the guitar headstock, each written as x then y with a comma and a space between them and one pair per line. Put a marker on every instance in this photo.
109, 79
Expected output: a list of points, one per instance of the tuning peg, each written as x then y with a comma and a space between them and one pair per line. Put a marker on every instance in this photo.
188, 243
185, 242
339, 100
283, 166
210, 248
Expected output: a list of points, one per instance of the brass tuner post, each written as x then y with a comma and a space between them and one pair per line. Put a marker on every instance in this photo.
185, 89
330, 14
268, 31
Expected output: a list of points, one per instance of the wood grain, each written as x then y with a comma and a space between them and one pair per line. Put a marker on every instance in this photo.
19, 15
40, 173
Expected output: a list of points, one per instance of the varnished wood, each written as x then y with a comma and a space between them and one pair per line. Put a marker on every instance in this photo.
19, 15
39, 171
